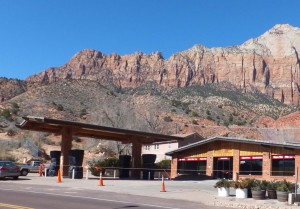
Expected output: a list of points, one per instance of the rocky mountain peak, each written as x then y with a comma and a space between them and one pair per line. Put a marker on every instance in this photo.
88, 54
279, 41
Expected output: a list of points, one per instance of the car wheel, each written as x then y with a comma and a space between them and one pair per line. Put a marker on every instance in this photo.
24, 173
15, 177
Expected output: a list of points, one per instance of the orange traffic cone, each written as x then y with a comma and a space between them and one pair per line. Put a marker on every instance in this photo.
163, 189
58, 176
100, 180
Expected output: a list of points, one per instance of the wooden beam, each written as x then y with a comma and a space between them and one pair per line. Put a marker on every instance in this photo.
66, 145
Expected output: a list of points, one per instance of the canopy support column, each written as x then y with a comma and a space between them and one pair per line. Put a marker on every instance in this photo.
136, 159
66, 145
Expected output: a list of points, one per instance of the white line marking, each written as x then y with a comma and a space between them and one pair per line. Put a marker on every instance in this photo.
91, 198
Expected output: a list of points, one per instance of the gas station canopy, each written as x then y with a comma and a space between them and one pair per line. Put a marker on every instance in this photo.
89, 130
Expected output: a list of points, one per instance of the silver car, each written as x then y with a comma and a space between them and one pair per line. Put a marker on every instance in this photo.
9, 169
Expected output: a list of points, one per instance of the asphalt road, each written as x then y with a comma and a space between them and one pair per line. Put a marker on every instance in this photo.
40, 197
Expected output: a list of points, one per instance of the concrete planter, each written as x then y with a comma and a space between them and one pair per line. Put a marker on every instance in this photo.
223, 192
241, 193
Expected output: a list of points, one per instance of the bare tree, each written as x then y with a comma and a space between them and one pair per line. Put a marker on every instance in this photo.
153, 121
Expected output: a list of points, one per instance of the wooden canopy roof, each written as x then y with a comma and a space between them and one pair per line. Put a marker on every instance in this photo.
89, 130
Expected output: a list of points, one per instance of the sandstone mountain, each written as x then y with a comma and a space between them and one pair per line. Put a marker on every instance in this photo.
248, 91
269, 63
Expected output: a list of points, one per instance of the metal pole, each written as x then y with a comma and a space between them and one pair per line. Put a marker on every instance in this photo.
73, 173
149, 174
296, 185
115, 172
45, 172
87, 174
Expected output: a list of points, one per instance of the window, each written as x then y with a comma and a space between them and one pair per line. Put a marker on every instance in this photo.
156, 146
251, 165
147, 147
283, 165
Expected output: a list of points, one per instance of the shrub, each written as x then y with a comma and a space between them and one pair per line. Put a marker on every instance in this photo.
230, 118
187, 111
49, 142
209, 117
59, 107
285, 186
6, 114
241, 123
15, 105
259, 185
242, 184
164, 164
222, 183
173, 110
226, 123
83, 112
15, 108
11, 132
272, 185
168, 119
175, 103
207, 112
194, 122
99, 166
76, 139
194, 114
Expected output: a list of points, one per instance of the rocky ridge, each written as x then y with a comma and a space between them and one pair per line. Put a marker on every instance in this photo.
269, 63
10, 88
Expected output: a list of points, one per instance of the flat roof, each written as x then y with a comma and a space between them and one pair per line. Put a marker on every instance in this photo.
240, 140
55, 126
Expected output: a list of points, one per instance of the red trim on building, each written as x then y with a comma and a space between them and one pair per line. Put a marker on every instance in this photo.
193, 159
281, 157
251, 158
223, 158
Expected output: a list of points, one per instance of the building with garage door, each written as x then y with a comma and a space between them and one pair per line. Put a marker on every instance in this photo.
225, 157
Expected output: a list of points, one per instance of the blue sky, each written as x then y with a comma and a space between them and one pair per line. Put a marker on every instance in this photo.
37, 34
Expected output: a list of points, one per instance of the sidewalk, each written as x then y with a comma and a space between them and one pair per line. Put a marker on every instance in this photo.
195, 191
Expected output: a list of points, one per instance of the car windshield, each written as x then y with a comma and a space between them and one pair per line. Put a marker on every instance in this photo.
4, 164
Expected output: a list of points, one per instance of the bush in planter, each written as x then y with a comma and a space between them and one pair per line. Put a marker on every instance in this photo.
271, 189
258, 189
283, 189
250, 182
241, 188
222, 183
223, 187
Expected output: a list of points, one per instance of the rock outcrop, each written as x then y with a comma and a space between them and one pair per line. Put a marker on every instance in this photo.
10, 88
270, 63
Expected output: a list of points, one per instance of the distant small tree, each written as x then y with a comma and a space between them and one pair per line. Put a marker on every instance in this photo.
59, 107
168, 119
194, 114
6, 114
83, 112
195, 122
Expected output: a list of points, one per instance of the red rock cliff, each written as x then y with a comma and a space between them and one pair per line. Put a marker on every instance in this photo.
270, 63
